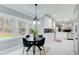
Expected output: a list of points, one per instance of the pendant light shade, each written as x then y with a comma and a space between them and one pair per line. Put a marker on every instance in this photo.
38, 22
34, 22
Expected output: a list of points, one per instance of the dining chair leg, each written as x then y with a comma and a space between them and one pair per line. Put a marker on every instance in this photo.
23, 50
40, 52
27, 52
43, 49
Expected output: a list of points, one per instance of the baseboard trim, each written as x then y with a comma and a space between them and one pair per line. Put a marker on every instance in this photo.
10, 49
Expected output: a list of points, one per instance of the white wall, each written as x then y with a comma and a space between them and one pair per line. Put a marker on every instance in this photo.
47, 22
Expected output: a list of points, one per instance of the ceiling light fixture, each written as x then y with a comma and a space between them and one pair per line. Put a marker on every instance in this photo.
36, 20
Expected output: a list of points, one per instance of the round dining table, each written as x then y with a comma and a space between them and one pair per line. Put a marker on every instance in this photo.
31, 38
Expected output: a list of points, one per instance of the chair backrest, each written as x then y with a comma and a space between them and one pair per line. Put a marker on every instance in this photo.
27, 43
24, 41
43, 40
41, 36
27, 36
40, 42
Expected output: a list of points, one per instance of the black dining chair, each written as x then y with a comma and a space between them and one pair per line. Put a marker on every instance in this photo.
27, 36
41, 36
27, 44
40, 43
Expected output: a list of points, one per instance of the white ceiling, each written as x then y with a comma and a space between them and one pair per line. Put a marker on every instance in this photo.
54, 10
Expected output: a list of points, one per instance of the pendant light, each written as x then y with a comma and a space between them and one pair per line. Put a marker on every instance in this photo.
36, 20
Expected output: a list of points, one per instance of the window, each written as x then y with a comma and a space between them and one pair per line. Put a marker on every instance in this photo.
21, 27
5, 27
